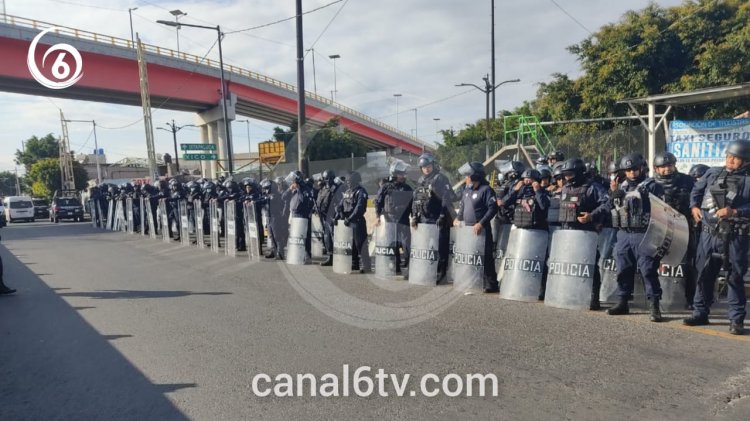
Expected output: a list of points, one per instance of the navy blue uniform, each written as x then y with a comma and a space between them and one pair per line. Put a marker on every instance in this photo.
352, 210
478, 206
394, 203
636, 209
734, 190
300, 206
433, 204
329, 197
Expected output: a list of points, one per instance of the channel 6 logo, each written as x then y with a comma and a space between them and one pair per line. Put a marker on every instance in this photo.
60, 69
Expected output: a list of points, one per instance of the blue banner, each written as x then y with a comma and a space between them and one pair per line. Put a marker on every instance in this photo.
704, 141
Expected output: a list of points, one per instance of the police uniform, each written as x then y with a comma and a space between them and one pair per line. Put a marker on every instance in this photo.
394, 202
300, 206
722, 239
352, 211
630, 210
433, 204
478, 206
529, 207
329, 197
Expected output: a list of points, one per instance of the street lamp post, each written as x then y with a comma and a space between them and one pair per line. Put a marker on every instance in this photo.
249, 145
335, 89
436, 119
487, 90
174, 129
96, 147
397, 97
230, 159
315, 81
130, 14
177, 13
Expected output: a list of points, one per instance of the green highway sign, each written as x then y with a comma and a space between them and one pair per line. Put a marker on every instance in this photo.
200, 157
197, 147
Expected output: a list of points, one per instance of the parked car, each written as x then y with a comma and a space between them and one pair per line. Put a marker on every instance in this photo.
3, 221
18, 208
41, 208
66, 208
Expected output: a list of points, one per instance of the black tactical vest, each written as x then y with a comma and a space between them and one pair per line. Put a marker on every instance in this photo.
631, 211
525, 213
349, 201
676, 195
570, 203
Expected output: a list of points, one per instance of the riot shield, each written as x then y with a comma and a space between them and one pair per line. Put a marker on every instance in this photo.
386, 248
295, 250
607, 266
524, 265
570, 269
100, 216
119, 224
200, 240
318, 248
343, 239
143, 203
424, 255
184, 222
152, 222
164, 218
449, 273
252, 232
110, 213
213, 215
673, 280
502, 240
667, 235
230, 228
266, 220
468, 260
129, 212
92, 212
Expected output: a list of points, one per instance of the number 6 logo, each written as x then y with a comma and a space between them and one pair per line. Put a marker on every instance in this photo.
60, 69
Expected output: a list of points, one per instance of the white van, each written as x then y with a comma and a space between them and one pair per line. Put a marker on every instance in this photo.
18, 208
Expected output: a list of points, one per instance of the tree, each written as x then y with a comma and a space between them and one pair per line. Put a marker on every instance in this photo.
332, 142
44, 177
8, 183
36, 149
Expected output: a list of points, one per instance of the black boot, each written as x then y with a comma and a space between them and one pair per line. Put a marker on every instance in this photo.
655, 315
270, 255
620, 308
328, 261
695, 320
736, 328
594, 305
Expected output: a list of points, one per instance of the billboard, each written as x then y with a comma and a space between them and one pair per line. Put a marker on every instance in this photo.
704, 141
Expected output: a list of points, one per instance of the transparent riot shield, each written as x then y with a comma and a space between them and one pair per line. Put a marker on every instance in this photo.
184, 222
607, 266
213, 214
100, 222
129, 215
570, 269
266, 220
152, 221
230, 230
110, 213
165, 228
343, 239
502, 241
252, 232
200, 240
119, 224
386, 249
92, 212
667, 235
673, 280
449, 273
143, 204
524, 265
424, 255
295, 251
468, 260
318, 248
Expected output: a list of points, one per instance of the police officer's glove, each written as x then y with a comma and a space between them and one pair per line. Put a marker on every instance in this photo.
347, 222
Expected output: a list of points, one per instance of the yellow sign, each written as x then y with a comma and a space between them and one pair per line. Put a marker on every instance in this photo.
271, 152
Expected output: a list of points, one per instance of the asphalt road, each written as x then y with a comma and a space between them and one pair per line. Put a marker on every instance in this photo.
110, 326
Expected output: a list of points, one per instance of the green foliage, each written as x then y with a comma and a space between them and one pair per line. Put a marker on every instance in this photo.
44, 177
332, 142
37, 148
8, 183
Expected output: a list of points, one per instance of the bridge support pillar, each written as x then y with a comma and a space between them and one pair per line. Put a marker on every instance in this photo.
213, 131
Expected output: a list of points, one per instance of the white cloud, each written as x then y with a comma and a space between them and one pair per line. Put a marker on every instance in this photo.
419, 48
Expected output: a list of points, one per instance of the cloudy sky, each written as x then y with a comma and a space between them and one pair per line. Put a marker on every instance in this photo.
418, 48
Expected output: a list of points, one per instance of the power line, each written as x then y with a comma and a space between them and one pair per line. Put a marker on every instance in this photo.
83, 5
285, 19
329, 22
571, 17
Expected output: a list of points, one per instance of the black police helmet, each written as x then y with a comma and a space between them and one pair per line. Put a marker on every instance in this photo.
542, 160
697, 170
557, 170
295, 177
474, 170
545, 173
632, 161
740, 149
557, 156
574, 165
592, 169
267, 185
354, 178
328, 175
662, 159
612, 167
426, 159
532, 174
398, 168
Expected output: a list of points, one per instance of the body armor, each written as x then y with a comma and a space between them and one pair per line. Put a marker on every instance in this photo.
349, 201
325, 197
676, 194
525, 214
631, 210
396, 201
570, 203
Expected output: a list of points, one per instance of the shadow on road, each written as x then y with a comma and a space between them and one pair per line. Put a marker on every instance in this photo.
121, 294
54, 365
38, 230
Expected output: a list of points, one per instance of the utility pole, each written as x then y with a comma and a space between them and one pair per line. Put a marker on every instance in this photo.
492, 81
18, 185
301, 120
146, 106
174, 129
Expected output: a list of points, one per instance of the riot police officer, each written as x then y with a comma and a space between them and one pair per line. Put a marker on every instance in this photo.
477, 208
271, 201
631, 211
329, 196
677, 187
509, 174
433, 204
394, 203
251, 192
233, 193
301, 204
352, 211
555, 157
582, 207
720, 201
530, 200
